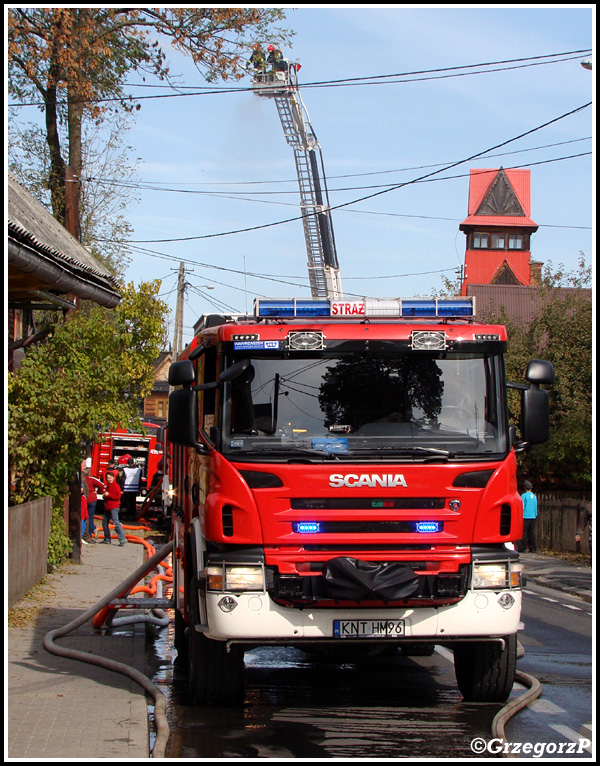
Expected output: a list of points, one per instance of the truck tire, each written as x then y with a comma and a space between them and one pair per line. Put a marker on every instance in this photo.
215, 675
179, 637
485, 672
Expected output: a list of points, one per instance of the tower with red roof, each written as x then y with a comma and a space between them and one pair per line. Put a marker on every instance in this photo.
498, 229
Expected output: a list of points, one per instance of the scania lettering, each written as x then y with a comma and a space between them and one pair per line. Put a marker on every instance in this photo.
367, 480
349, 480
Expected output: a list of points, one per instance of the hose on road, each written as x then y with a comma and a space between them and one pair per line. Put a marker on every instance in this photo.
511, 708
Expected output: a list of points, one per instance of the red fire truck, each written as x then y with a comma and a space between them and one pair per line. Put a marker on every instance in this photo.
345, 480
145, 448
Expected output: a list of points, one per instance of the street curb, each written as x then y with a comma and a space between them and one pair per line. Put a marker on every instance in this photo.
541, 580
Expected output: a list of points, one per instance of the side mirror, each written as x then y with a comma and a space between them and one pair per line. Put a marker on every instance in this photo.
182, 373
182, 424
539, 371
182, 427
535, 416
535, 403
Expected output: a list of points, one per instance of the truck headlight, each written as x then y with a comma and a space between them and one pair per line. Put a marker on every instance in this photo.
490, 576
235, 577
497, 576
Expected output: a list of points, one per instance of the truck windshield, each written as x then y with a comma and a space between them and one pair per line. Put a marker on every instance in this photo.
416, 406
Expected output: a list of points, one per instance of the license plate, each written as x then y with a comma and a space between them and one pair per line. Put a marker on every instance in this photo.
368, 628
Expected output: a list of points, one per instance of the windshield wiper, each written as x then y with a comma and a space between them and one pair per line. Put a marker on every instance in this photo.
417, 450
290, 451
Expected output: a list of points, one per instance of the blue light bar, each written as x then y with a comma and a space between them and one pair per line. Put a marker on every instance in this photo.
428, 526
437, 308
305, 527
290, 308
456, 307
372, 308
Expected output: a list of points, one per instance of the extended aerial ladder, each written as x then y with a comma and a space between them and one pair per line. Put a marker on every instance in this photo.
323, 267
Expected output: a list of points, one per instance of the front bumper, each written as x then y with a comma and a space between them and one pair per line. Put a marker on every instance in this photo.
257, 619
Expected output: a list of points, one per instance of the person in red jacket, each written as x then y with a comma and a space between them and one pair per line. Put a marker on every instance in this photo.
94, 486
112, 503
84, 517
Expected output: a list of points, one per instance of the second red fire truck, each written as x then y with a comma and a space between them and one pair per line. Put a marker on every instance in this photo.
344, 478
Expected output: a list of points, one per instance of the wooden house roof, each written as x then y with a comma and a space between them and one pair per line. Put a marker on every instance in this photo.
45, 260
521, 303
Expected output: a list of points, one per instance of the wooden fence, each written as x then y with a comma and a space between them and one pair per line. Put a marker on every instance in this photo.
558, 517
28, 534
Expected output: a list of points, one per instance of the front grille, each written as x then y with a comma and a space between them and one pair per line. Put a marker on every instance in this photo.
300, 590
360, 547
366, 503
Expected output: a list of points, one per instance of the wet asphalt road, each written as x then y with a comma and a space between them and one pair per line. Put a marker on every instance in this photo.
297, 706
558, 652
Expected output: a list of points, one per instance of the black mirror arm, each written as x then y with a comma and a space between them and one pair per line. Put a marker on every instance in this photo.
205, 386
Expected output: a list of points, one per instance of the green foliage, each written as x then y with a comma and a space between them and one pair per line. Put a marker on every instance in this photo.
562, 335
59, 544
92, 371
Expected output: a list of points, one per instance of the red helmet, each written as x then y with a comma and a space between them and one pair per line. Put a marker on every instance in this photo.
271, 48
256, 45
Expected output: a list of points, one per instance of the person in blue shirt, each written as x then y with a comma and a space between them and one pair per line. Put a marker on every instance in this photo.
529, 517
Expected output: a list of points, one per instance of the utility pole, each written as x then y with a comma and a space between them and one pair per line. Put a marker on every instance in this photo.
178, 333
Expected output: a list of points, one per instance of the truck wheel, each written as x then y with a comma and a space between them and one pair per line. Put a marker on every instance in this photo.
215, 675
485, 672
179, 639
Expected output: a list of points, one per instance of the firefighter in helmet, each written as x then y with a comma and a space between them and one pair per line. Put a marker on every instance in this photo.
257, 59
276, 60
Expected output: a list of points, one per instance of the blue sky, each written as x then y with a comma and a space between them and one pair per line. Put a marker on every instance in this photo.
231, 148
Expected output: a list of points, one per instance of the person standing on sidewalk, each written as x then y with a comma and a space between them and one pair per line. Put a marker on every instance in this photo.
132, 477
529, 517
112, 503
84, 510
585, 520
94, 486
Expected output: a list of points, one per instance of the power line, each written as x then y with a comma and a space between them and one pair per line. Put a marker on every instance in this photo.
387, 214
387, 190
238, 198
155, 185
407, 74
436, 74
281, 279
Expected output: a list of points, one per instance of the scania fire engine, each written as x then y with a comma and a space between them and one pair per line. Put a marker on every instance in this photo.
345, 480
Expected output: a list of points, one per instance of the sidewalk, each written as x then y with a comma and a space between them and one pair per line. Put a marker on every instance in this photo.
62, 708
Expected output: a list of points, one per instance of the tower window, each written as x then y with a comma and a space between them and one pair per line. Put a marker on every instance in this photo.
483, 240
